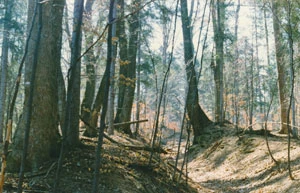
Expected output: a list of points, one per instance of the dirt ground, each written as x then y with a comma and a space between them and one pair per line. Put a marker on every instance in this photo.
222, 162
123, 170
243, 164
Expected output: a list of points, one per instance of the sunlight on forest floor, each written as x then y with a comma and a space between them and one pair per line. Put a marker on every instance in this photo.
232, 164
222, 162
123, 170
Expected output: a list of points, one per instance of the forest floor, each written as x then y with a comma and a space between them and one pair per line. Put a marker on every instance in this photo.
124, 169
222, 162
225, 162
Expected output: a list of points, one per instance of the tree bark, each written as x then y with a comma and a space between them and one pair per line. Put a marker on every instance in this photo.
111, 92
73, 93
282, 79
236, 71
218, 17
198, 118
123, 61
4, 62
105, 98
43, 136
128, 73
90, 60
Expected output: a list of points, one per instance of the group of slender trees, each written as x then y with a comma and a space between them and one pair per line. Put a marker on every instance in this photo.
54, 104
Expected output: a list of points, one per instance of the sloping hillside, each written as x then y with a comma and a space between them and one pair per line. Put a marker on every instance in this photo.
222, 162
242, 164
123, 170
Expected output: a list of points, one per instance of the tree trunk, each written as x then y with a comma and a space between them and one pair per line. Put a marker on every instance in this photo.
138, 85
111, 94
123, 61
73, 94
251, 92
198, 118
128, 77
105, 99
91, 131
90, 61
236, 65
218, 17
4, 62
282, 79
43, 137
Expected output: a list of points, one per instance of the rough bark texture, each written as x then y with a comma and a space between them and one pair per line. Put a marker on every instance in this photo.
197, 117
44, 138
281, 68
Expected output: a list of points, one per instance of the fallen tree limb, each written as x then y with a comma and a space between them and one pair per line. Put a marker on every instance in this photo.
130, 122
132, 147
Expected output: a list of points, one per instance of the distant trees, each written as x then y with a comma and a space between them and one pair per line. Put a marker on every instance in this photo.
236, 91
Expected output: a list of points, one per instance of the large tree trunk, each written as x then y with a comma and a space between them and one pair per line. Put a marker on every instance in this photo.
73, 94
4, 62
90, 61
43, 137
218, 16
281, 68
123, 61
198, 118
128, 76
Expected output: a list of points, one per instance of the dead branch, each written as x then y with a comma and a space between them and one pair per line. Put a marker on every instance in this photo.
128, 123
131, 147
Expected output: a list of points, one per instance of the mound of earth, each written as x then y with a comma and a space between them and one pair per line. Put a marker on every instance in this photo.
222, 162
231, 163
124, 169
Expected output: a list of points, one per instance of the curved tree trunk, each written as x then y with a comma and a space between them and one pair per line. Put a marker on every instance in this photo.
198, 118
43, 137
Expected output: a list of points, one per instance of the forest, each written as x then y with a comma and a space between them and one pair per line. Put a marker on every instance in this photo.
150, 96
